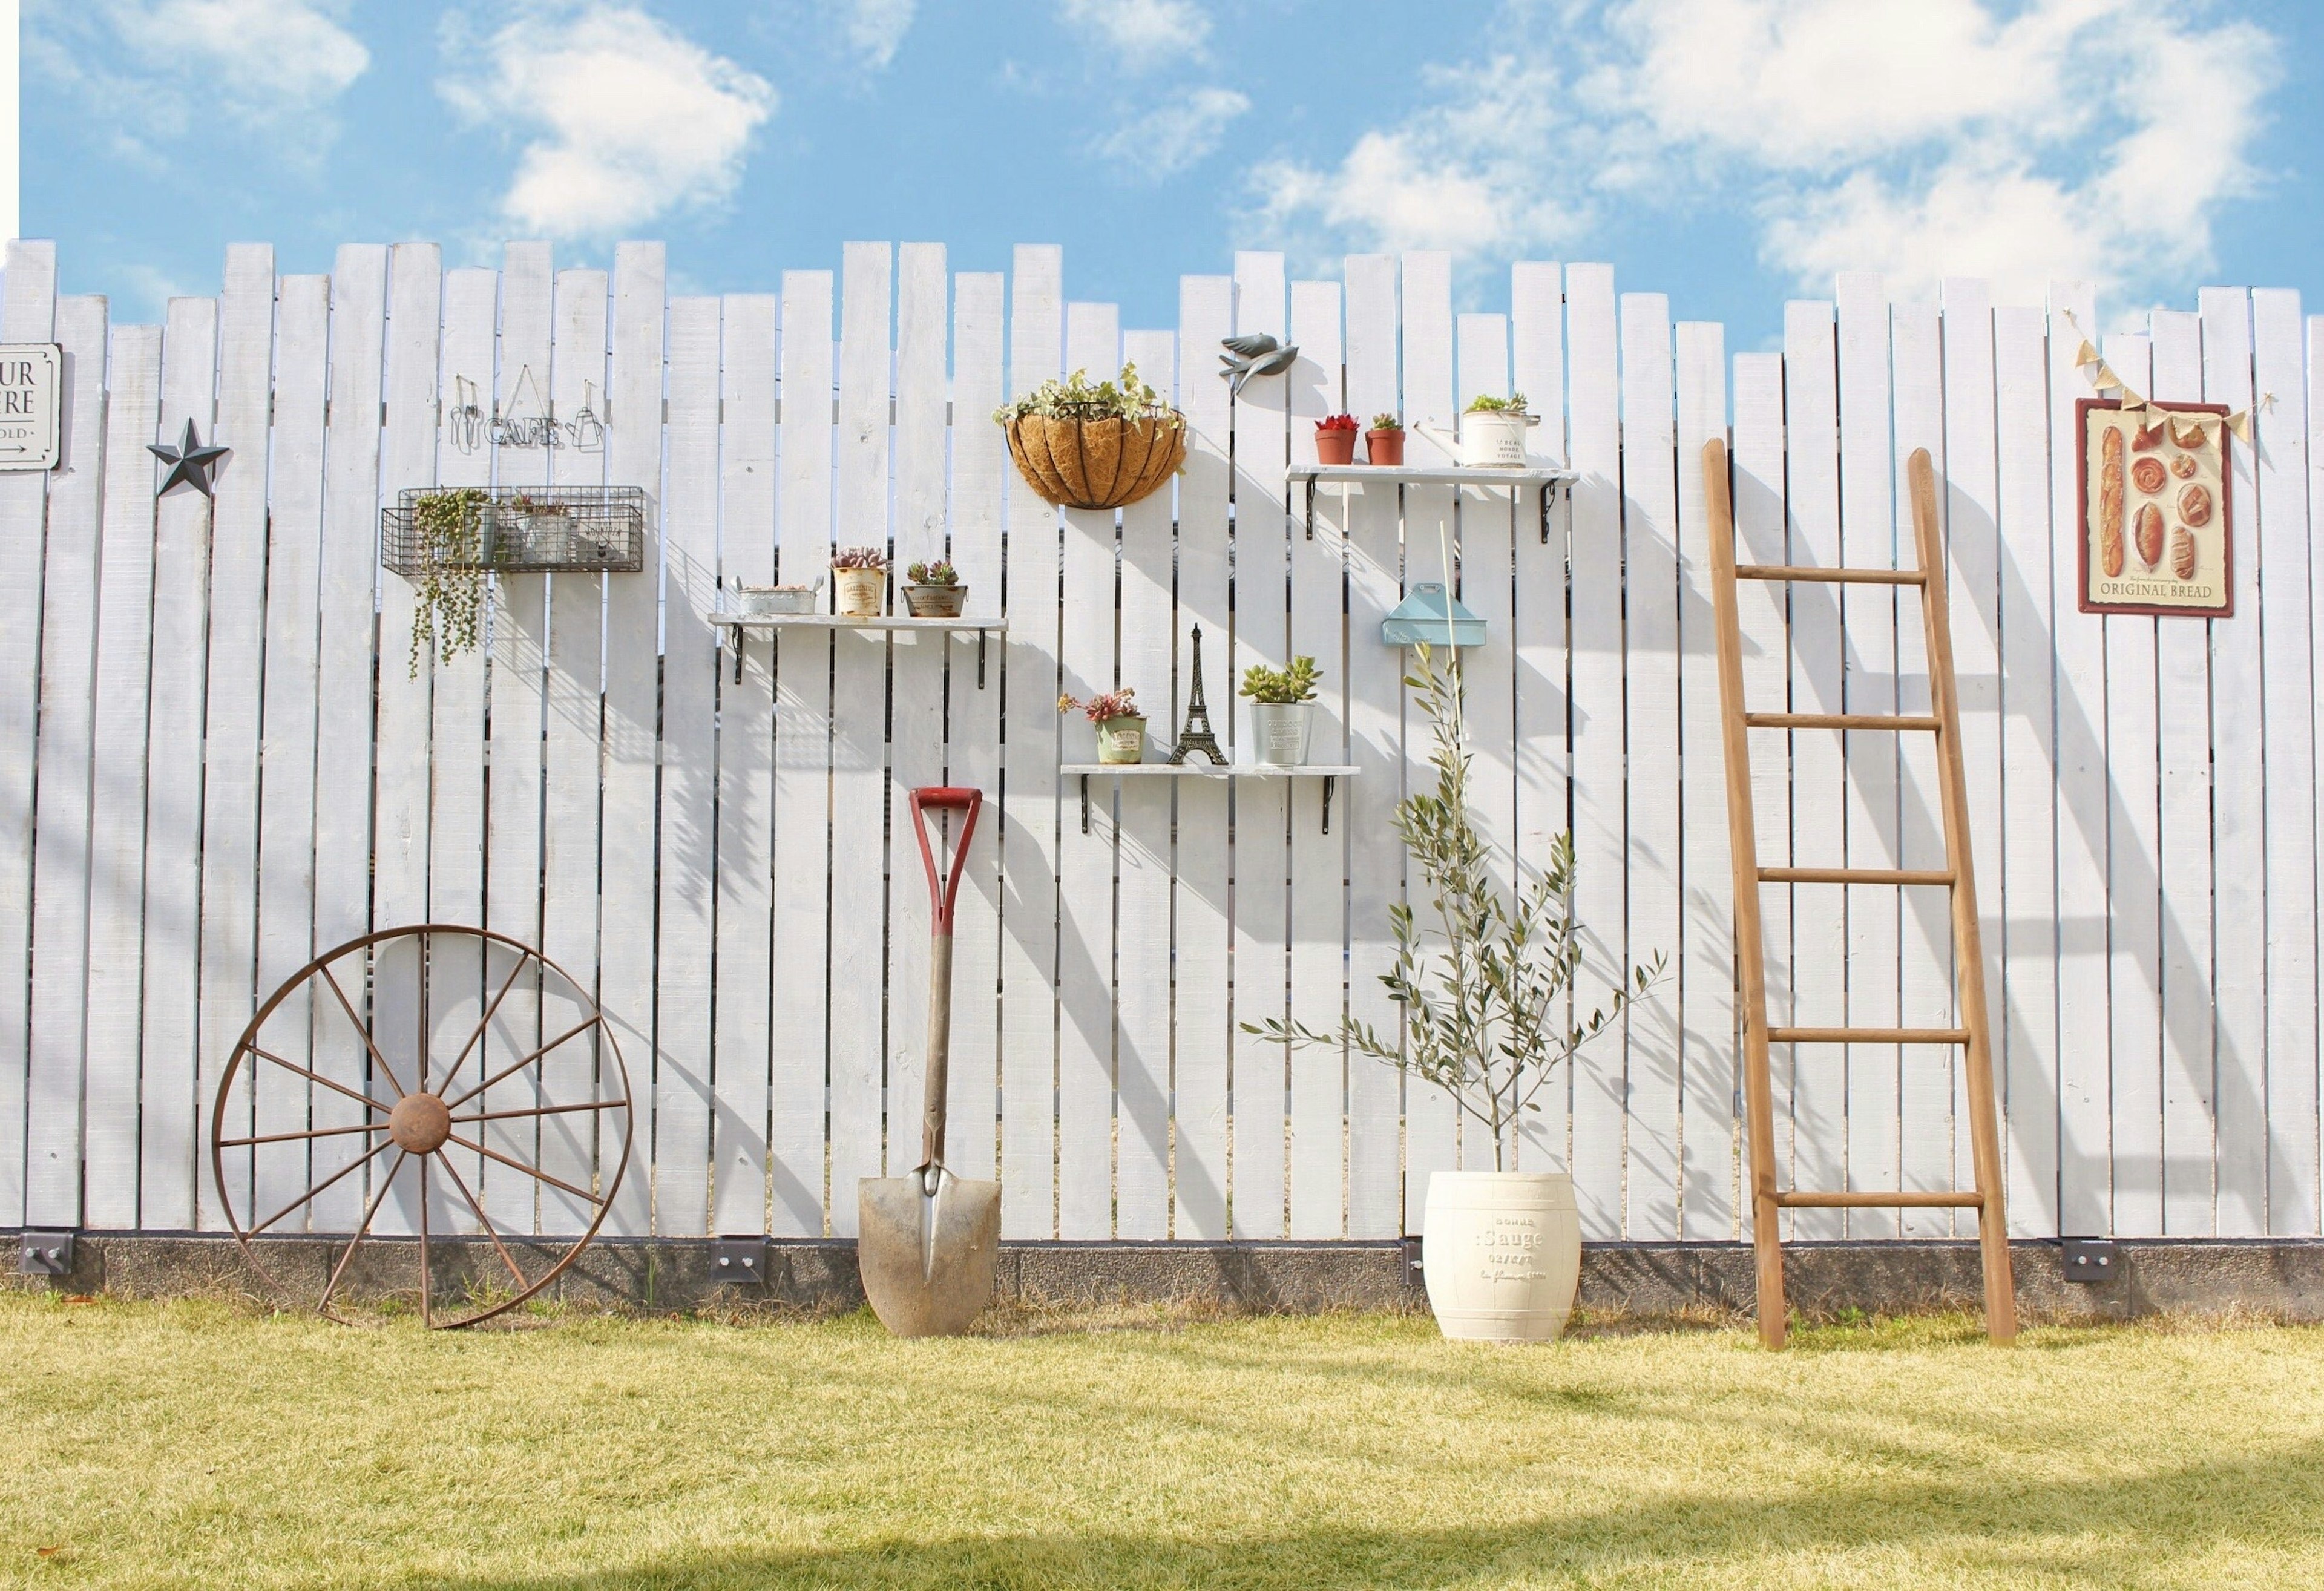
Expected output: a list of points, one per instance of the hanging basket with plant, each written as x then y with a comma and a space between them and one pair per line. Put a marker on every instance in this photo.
1094, 447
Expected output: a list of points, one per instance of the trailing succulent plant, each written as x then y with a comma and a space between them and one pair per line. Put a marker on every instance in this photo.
1388, 422
937, 573
1126, 397
1485, 403
1105, 705
451, 596
1282, 686
859, 558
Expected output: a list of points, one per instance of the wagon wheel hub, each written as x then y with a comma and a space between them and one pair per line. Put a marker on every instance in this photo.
420, 1124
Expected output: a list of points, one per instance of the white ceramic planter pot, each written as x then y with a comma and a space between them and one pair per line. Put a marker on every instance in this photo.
1121, 740
1494, 440
860, 591
1280, 730
1501, 1254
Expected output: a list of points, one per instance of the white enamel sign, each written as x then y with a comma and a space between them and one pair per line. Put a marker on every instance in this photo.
32, 392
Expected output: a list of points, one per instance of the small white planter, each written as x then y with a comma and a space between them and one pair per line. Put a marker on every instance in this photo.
1493, 440
1121, 741
1281, 730
860, 591
1501, 1254
762, 599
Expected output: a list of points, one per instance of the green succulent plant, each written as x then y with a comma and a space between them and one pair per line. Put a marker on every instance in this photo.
1485, 403
1282, 685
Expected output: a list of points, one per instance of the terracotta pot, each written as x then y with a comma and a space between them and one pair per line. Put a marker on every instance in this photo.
1384, 447
860, 591
1121, 740
1334, 447
1096, 463
1501, 1254
936, 601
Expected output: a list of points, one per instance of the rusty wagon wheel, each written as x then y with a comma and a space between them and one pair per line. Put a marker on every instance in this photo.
437, 1048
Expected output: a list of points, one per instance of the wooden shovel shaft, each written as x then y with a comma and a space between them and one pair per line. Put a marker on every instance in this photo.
932, 1113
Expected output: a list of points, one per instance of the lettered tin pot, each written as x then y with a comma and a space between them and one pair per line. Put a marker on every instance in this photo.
1501, 1254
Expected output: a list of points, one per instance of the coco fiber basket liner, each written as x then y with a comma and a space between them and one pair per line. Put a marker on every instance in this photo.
1096, 463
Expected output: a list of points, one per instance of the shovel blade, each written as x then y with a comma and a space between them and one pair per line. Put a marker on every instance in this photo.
928, 1263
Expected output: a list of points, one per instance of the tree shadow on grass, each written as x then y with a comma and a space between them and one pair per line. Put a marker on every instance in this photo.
2100, 1532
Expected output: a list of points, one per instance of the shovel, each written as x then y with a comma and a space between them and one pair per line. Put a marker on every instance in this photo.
927, 1241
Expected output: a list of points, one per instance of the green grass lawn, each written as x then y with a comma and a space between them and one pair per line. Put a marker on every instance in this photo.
197, 1444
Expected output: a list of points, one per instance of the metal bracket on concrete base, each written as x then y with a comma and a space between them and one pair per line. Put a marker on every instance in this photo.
1413, 1264
2087, 1259
742, 1261
45, 1253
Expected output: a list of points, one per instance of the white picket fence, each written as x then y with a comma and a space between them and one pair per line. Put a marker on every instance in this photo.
212, 763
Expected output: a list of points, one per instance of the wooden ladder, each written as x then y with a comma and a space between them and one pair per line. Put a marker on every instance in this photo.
1968, 956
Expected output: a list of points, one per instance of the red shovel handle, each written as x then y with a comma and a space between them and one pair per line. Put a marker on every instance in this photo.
942, 892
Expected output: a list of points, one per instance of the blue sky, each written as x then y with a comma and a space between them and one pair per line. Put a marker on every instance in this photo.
1730, 152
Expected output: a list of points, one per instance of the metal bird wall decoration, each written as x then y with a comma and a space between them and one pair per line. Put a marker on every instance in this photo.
190, 464
1254, 353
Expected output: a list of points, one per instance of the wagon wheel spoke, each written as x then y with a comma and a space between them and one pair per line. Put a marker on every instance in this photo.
520, 1165
368, 1154
482, 1022
377, 1127
427, 1297
543, 1110
378, 1197
453, 1172
374, 1101
516, 1066
348, 1006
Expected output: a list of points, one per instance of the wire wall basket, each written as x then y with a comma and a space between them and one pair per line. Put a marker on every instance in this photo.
539, 530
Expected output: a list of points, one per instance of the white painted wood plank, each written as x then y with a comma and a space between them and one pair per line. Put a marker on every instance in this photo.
2083, 1022
1869, 622
1709, 1079
1538, 633
576, 1146
2239, 855
347, 628
2028, 1046
802, 771
1651, 726
689, 775
1432, 1120
2133, 911
1764, 610
1974, 560
173, 814
2183, 712
1085, 861
286, 826
519, 700
1144, 853
28, 289
1205, 315
118, 782
2292, 1213
859, 749
1819, 775
61, 857
979, 465
2289, 715
746, 776
1600, 846
1262, 923
633, 457
1318, 859
237, 610
1925, 938
455, 822
916, 686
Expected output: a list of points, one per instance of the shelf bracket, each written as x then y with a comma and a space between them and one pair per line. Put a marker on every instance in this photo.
1084, 804
1310, 508
1329, 780
980, 634
734, 639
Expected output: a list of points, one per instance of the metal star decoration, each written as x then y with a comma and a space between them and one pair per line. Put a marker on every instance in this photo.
190, 464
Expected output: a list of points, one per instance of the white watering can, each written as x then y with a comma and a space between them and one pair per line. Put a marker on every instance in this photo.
1489, 438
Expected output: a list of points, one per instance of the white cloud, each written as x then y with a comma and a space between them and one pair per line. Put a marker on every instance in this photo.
1142, 34
1179, 132
875, 28
630, 118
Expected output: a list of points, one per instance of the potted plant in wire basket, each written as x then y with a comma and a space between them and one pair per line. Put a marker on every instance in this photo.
1121, 724
1081, 444
1282, 709
934, 591
859, 579
1484, 987
450, 528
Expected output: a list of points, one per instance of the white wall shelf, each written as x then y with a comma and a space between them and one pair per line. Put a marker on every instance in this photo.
1349, 476
734, 627
1331, 773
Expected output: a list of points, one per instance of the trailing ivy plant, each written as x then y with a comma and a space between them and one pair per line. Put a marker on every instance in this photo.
451, 597
1484, 981
1126, 397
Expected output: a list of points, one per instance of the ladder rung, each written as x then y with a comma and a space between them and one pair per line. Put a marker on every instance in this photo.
1867, 1035
1856, 875
1798, 1201
1832, 576
1839, 720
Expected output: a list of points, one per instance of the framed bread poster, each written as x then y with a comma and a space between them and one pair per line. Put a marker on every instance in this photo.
2154, 523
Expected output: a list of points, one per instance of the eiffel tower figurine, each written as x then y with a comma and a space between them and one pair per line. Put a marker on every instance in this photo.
1197, 736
